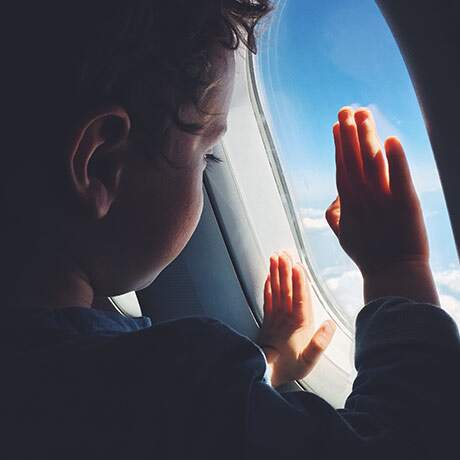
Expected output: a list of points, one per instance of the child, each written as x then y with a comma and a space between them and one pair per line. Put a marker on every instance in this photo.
112, 109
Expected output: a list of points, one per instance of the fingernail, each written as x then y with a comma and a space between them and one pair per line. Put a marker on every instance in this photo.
361, 116
346, 116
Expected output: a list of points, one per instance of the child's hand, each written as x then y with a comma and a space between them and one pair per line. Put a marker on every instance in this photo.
377, 216
286, 335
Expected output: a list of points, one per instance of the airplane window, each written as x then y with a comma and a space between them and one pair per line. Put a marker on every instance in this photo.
315, 58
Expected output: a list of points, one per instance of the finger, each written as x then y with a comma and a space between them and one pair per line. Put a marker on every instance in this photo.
333, 216
343, 187
401, 184
290, 255
275, 283
351, 151
367, 134
381, 174
318, 343
267, 298
300, 291
374, 160
285, 273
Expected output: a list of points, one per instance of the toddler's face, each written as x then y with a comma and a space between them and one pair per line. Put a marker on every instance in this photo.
161, 201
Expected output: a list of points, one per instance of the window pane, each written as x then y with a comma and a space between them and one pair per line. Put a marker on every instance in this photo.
315, 58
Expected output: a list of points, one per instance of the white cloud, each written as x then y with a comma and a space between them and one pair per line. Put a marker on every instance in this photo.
385, 127
313, 219
315, 223
347, 288
424, 172
312, 212
452, 306
449, 279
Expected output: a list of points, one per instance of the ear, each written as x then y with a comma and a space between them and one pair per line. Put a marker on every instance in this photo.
95, 159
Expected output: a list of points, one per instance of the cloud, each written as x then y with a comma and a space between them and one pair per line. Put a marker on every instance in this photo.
448, 283
449, 279
312, 212
313, 219
452, 306
315, 223
347, 289
385, 127
424, 172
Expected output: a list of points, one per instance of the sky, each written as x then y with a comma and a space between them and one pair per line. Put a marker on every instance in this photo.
313, 59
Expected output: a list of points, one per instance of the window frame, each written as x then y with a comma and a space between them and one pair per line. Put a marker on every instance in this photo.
247, 200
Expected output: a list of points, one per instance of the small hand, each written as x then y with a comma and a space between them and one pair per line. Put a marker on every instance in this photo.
377, 216
287, 335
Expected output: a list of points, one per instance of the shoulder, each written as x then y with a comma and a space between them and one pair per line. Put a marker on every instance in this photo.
192, 333
198, 338
194, 345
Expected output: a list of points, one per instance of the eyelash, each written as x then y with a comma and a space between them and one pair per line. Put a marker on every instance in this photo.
211, 158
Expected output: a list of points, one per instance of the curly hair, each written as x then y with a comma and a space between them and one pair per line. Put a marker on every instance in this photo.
150, 56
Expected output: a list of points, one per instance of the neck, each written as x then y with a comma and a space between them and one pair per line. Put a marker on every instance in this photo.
36, 270
45, 282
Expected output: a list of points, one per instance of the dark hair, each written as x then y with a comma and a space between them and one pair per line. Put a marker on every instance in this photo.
150, 56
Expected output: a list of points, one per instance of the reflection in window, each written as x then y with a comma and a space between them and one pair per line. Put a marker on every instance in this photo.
315, 58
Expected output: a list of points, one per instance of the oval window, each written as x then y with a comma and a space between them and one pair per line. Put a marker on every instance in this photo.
315, 58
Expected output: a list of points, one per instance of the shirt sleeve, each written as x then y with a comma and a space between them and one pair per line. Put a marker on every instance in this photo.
403, 405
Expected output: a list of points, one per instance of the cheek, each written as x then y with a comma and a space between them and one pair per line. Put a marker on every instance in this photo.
149, 226
191, 202
162, 208
180, 209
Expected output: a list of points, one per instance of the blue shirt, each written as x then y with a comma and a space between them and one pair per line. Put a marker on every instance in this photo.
84, 383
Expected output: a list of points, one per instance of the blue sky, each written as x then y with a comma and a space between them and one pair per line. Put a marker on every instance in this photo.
314, 58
